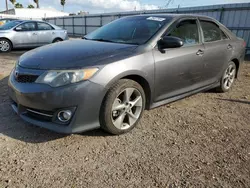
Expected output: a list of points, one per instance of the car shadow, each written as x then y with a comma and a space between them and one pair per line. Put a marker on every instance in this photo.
234, 100
96, 132
247, 57
14, 54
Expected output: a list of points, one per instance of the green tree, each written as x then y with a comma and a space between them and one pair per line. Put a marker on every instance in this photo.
13, 1
63, 3
30, 6
37, 3
18, 5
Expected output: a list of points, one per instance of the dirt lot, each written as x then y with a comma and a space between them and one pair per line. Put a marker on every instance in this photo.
200, 141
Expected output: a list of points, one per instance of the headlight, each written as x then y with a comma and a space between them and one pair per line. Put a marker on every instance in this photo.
58, 78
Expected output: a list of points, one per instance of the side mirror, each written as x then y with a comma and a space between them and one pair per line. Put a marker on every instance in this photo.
18, 29
170, 42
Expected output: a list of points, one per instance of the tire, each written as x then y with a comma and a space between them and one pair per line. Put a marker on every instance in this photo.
57, 40
228, 78
119, 112
5, 45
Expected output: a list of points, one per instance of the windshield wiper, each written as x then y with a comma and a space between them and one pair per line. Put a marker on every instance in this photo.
103, 40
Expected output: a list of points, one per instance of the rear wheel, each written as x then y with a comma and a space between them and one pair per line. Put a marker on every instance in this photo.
123, 107
57, 40
5, 45
228, 78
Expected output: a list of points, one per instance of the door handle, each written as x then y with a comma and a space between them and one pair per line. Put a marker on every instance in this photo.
34, 33
229, 47
200, 52
53, 33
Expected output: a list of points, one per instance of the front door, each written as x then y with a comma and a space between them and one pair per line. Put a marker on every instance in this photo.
180, 70
26, 35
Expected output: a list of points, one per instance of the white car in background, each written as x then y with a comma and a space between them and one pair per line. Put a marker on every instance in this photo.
28, 33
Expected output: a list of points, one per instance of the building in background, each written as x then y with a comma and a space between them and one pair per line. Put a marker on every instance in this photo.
29, 13
82, 13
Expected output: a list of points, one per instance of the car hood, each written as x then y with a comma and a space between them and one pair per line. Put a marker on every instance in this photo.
75, 54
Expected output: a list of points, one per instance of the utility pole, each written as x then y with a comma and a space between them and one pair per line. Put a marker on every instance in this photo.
168, 3
6, 2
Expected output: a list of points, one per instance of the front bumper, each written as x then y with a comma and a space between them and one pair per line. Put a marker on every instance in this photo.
85, 98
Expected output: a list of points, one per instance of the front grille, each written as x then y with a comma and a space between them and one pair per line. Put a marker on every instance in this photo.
26, 78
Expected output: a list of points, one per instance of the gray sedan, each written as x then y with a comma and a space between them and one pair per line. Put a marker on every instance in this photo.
131, 64
25, 34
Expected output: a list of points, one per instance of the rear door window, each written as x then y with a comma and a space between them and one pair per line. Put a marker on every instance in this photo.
223, 35
211, 31
43, 26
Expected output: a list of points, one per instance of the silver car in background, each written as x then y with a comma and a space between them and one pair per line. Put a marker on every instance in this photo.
25, 34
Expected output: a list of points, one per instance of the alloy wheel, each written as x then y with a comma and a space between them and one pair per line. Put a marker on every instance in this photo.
229, 76
4, 46
127, 108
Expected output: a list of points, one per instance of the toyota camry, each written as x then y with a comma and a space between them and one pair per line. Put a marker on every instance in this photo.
110, 77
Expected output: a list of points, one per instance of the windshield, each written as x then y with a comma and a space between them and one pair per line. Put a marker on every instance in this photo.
132, 30
10, 25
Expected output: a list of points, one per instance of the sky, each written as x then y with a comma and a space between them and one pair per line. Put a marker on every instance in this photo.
105, 6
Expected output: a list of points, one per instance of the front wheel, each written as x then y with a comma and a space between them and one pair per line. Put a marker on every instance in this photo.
5, 45
228, 78
123, 107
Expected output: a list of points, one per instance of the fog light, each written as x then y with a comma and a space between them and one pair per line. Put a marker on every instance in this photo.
64, 115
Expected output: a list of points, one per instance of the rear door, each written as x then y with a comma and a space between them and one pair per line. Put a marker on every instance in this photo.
217, 50
180, 70
25, 35
45, 33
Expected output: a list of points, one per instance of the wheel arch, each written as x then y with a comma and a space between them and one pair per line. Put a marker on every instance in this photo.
145, 85
140, 79
237, 63
57, 39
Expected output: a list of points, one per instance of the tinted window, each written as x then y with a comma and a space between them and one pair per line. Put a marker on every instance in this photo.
43, 26
223, 35
188, 31
10, 25
132, 30
211, 31
2, 22
29, 26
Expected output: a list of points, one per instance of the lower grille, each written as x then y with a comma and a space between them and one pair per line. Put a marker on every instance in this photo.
39, 115
26, 78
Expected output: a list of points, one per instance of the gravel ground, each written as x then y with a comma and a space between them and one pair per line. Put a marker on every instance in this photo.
200, 141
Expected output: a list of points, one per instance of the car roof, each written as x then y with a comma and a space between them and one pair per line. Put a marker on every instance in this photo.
33, 21
8, 19
54, 26
176, 16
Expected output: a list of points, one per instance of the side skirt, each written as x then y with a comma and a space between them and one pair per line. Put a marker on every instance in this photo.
175, 98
